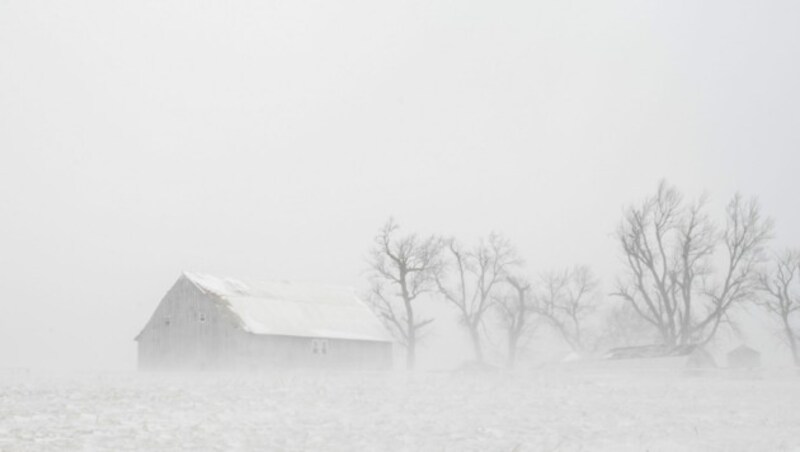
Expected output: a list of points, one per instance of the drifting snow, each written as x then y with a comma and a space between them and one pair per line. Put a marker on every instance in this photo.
397, 412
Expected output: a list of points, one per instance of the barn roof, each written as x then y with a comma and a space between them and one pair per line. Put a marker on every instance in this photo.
292, 309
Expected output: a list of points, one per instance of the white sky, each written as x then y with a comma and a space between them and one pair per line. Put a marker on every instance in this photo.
271, 139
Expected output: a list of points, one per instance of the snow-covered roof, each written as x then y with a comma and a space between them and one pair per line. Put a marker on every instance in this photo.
292, 309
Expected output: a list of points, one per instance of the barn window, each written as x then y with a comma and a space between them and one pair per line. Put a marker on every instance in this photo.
202, 317
319, 346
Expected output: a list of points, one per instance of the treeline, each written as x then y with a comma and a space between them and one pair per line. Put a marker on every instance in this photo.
683, 272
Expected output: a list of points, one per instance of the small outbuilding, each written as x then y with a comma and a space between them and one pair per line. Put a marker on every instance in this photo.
205, 322
744, 357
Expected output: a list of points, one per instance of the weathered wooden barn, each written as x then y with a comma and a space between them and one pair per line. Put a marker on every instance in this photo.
205, 322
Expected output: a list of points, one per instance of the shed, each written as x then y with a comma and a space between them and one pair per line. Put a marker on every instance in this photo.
744, 357
206, 322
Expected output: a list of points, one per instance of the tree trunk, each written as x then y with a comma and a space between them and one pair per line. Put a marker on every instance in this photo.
411, 349
669, 339
790, 336
411, 353
512, 351
474, 334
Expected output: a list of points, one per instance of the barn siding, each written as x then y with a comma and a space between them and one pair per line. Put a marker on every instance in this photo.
187, 342
220, 343
264, 352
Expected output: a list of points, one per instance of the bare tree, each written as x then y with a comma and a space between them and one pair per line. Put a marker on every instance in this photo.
670, 249
623, 327
402, 269
781, 288
515, 309
470, 277
566, 299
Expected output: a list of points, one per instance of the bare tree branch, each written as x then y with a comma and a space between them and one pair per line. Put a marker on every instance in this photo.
566, 299
514, 311
470, 277
407, 265
780, 290
669, 248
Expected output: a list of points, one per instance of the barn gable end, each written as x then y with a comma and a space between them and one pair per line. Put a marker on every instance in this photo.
187, 329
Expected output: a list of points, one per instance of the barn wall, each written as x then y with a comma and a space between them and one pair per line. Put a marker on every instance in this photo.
177, 337
188, 330
265, 352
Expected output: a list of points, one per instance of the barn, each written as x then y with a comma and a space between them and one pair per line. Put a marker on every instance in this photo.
744, 357
206, 322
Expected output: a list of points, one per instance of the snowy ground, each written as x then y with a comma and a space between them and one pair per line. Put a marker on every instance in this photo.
542, 411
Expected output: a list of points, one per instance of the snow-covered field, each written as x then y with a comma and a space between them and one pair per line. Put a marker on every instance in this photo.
536, 411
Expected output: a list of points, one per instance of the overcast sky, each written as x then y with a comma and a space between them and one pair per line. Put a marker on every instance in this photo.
271, 139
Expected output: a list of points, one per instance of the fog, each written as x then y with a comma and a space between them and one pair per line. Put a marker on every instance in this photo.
152, 150
271, 140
